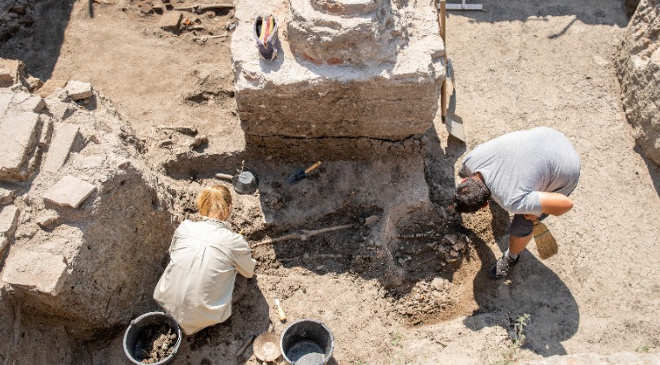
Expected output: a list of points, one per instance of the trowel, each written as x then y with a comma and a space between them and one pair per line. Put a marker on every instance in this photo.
301, 174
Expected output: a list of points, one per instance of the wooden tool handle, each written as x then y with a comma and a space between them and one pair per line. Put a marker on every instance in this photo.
280, 311
313, 167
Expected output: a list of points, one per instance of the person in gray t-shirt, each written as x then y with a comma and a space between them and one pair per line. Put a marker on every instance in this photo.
529, 173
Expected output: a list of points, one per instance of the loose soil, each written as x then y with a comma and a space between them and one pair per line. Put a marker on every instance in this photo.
155, 344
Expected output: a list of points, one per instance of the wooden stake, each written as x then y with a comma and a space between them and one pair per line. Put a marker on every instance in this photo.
442, 23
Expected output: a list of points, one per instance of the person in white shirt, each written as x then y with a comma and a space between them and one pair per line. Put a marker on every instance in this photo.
197, 285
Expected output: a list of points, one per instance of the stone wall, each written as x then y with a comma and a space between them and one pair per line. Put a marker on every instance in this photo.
638, 69
85, 225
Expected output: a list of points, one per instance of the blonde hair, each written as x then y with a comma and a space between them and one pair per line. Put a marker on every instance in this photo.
214, 202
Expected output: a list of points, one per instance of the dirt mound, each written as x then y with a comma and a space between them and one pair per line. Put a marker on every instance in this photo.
638, 69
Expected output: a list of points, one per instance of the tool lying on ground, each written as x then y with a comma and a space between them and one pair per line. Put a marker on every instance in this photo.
304, 234
244, 183
280, 311
202, 8
545, 242
301, 174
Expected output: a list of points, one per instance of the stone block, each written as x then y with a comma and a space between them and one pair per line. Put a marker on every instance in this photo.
69, 191
60, 109
353, 78
8, 219
8, 222
11, 72
171, 21
41, 271
638, 68
26, 102
6, 196
78, 90
61, 144
19, 133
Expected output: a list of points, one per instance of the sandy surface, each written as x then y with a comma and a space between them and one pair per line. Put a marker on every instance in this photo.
518, 65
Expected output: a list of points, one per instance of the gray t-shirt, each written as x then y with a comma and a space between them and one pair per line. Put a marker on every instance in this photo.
517, 165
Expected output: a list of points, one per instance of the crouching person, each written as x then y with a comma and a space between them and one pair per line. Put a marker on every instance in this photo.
197, 285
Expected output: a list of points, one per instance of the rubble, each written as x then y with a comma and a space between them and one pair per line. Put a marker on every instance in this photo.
171, 21
78, 90
6, 196
47, 277
63, 142
20, 133
8, 221
375, 74
70, 192
127, 224
11, 72
638, 69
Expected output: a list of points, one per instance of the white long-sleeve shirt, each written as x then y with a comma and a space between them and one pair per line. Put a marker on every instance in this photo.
197, 285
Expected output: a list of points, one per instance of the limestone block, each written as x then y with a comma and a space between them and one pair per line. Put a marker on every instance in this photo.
343, 32
8, 221
6, 196
638, 69
19, 133
78, 90
57, 105
20, 101
69, 191
40, 271
391, 94
171, 20
26, 102
11, 72
60, 146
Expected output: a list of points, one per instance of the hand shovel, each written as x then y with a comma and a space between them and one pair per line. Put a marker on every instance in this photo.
545, 242
301, 174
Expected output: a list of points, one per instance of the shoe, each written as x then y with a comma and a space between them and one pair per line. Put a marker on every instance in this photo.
265, 30
503, 267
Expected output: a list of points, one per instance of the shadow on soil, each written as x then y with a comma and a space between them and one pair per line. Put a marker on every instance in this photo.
534, 290
221, 344
597, 12
37, 37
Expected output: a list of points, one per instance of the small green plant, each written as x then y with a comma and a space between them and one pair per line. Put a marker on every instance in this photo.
395, 339
644, 348
510, 357
519, 330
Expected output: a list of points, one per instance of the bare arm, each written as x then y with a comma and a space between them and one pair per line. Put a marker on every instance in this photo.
555, 203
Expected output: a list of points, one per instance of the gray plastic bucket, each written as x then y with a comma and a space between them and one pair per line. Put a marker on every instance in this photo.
307, 342
136, 327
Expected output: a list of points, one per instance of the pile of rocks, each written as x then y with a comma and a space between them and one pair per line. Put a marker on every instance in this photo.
638, 68
83, 228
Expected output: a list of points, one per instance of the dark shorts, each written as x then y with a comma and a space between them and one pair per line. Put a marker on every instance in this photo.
521, 227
